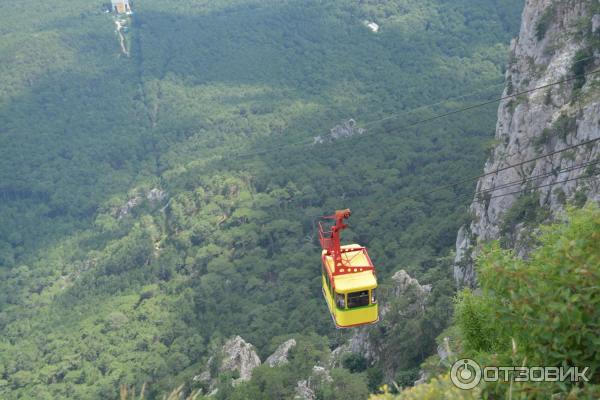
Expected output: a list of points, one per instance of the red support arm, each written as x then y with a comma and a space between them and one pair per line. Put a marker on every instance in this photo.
339, 226
329, 237
332, 243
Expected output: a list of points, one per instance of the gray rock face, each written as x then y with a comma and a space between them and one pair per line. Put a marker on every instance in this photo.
280, 356
534, 124
444, 353
306, 389
443, 349
423, 377
237, 355
126, 208
155, 196
403, 281
203, 377
595, 23
344, 130
359, 343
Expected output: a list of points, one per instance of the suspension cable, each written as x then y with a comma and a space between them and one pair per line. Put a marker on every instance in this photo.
513, 165
304, 142
546, 185
535, 177
477, 196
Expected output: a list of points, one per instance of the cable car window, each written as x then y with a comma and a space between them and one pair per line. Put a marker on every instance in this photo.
358, 299
340, 300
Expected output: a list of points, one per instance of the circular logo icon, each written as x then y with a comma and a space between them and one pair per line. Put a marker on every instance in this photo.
465, 374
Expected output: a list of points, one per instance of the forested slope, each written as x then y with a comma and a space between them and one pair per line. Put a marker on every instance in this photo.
102, 284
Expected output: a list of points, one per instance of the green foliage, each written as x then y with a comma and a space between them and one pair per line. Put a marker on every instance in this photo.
580, 198
543, 139
438, 388
345, 385
543, 310
581, 60
561, 128
560, 194
475, 316
527, 210
374, 379
564, 126
354, 362
407, 377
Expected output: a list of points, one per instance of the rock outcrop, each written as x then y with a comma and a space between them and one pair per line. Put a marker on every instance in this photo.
558, 41
239, 356
403, 281
126, 208
154, 196
306, 389
344, 130
236, 355
280, 355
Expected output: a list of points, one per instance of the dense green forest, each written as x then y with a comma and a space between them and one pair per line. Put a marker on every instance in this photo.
154, 205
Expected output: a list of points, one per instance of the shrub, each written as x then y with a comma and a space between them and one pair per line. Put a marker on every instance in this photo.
581, 60
539, 311
525, 209
438, 388
548, 304
374, 378
561, 197
580, 198
544, 22
407, 377
475, 318
564, 125
354, 362
543, 139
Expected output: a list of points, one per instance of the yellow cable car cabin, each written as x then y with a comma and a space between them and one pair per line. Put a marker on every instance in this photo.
348, 277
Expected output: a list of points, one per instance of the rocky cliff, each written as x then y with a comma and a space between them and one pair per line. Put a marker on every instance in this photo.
558, 41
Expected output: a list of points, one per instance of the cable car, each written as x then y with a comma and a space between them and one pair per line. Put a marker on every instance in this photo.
348, 276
